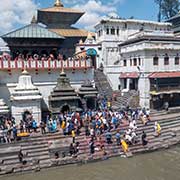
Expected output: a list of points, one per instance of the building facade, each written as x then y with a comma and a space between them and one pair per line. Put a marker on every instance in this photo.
142, 56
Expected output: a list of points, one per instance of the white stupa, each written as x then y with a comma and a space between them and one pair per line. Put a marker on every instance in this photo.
4, 110
26, 98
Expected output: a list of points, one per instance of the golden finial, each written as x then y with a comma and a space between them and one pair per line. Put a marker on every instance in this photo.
58, 3
25, 72
62, 72
89, 36
81, 41
33, 21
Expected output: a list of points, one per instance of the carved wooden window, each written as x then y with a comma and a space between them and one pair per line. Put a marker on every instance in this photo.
155, 61
176, 60
125, 62
166, 60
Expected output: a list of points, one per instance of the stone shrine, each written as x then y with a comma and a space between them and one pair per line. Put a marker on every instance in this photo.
4, 110
88, 95
64, 98
26, 99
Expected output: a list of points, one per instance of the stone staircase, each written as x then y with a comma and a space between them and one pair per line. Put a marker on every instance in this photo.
102, 84
130, 99
167, 137
36, 147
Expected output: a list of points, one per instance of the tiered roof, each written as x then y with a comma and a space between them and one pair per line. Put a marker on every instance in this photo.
59, 16
33, 30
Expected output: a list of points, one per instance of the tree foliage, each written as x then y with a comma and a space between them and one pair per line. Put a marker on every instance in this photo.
167, 8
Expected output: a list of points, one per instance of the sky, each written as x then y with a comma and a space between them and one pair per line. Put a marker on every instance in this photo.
17, 13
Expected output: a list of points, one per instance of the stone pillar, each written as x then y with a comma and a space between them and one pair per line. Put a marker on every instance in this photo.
128, 84
144, 91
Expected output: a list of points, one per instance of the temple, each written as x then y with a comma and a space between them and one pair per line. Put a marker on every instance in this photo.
44, 47
56, 34
63, 98
33, 40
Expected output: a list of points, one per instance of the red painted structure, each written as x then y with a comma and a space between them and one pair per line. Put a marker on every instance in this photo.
74, 64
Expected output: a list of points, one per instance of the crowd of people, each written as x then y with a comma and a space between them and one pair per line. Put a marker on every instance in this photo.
101, 126
40, 56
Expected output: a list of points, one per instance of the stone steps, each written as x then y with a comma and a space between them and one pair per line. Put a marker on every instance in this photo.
37, 147
102, 83
149, 130
115, 149
15, 162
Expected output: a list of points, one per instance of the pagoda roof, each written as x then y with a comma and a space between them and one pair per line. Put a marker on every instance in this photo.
33, 30
72, 32
58, 15
62, 10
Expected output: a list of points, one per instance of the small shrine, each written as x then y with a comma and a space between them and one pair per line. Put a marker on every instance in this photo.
64, 98
26, 99
88, 95
4, 109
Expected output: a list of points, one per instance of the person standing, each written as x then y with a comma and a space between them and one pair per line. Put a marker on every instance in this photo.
14, 133
91, 146
118, 138
43, 127
34, 125
144, 138
157, 128
73, 135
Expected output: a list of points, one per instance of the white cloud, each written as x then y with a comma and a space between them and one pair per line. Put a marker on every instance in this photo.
15, 12
94, 11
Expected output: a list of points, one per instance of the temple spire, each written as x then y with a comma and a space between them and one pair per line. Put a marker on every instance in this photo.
58, 3
80, 41
25, 72
33, 21
89, 36
62, 72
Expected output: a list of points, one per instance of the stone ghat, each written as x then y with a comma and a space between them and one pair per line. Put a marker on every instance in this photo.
37, 147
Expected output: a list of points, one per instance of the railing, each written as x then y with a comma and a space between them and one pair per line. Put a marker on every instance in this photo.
167, 88
45, 64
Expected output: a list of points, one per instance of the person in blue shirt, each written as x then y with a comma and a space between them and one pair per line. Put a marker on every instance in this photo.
34, 125
108, 137
54, 126
118, 138
114, 121
14, 133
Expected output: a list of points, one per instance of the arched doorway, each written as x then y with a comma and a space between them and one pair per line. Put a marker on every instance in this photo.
90, 103
65, 109
26, 116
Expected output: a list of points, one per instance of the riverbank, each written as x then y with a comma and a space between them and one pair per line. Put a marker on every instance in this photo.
39, 148
157, 165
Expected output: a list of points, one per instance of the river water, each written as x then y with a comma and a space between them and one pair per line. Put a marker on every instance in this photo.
162, 165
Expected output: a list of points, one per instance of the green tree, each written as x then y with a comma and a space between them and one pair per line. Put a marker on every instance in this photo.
167, 8
159, 3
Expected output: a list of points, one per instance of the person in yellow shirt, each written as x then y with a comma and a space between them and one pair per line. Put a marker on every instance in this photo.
73, 135
157, 128
109, 104
63, 125
124, 146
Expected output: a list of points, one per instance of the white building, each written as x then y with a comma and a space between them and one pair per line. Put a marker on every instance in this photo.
143, 56
150, 64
